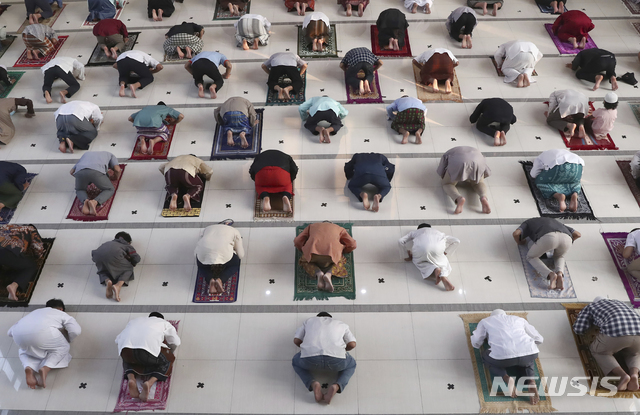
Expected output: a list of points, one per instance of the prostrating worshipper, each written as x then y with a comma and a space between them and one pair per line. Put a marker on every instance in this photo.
218, 254
407, 116
65, 69
494, 116
557, 174
619, 333
285, 63
348, 6
13, 182
45, 12
273, 172
483, 4
412, 5
600, 122
632, 248
236, 115
437, 65
635, 168
517, 59
546, 235
359, 64
141, 64
8, 107
392, 28
44, 336
595, 65
323, 245
147, 346
78, 123
464, 164
300, 6
369, 169
316, 29
157, 9
429, 251
115, 261
102, 9
557, 5
151, 125
97, 168
21, 255
206, 63
567, 109
460, 25
512, 345
573, 26
183, 175
39, 39
184, 40
324, 345
252, 30
112, 35
322, 109
234, 6
4, 76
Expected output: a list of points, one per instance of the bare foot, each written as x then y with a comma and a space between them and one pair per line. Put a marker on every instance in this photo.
360, 10
553, 280
633, 383
144, 396
559, 281
285, 94
414, 9
173, 204
160, 15
535, 398
376, 203
317, 391
186, 199
527, 82
459, 204
133, 91
496, 139
133, 389
573, 203
154, 15
582, 133
624, 381
85, 207
331, 392
485, 205
286, 204
213, 290
109, 292
43, 372
327, 136
230, 141
614, 83
116, 292
571, 129
503, 138
348, 10
255, 44
583, 42
365, 200
520, 80
121, 93
245, 45
405, 137
427, 9
266, 204
328, 286
200, 90
418, 137
320, 278
31, 377
243, 140
47, 97
63, 97
562, 202
69, 145
219, 285
212, 91
599, 79
513, 392
63, 146
280, 92
447, 284
143, 145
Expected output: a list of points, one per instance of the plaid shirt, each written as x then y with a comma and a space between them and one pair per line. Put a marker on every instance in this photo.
613, 318
359, 55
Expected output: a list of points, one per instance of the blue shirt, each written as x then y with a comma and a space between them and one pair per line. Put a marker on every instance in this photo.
56, 1
153, 116
216, 57
96, 160
12, 173
316, 104
404, 103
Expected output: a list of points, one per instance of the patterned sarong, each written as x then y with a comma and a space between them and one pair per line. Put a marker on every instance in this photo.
353, 3
411, 119
237, 122
182, 40
563, 179
250, 29
44, 47
153, 132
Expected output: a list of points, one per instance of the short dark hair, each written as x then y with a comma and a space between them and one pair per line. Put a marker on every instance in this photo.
55, 303
124, 236
610, 105
424, 225
324, 314
161, 103
156, 314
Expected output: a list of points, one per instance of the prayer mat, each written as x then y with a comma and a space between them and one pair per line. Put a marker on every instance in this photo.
550, 207
3, 8
635, 107
499, 71
180, 212
13, 76
6, 214
103, 211
375, 97
222, 151
589, 364
565, 48
23, 62
160, 150
425, 94
6, 43
538, 284
117, 16
175, 58
230, 295
157, 396
405, 52
24, 297
47, 22
330, 50
597, 142
500, 403
625, 167
631, 6
276, 211
98, 58
549, 9
306, 286
615, 242
224, 14
636, 26
283, 81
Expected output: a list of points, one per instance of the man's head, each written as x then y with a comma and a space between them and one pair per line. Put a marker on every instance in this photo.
611, 101
156, 314
55, 303
324, 314
405, 96
161, 103
424, 225
124, 236
170, 120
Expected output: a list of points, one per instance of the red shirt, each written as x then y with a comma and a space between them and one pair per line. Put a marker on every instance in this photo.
573, 23
108, 27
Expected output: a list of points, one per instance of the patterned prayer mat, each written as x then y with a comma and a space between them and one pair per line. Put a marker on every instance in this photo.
330, 50
283, 81
230, 295
175, 58
615, 242
5, 44
276, 211
47, 22
6, 214
117, 16
375, 97
221, 150
425, 94
157, 396
589, 364
98, 58
631, 6
597, 142
103, 211
549, 9
636, 26
499, 71
624, 166
500, 403
160, 150
224, 14
538, 284
550, 207
306, 286
635, 107
23, 62
3, 8
405, 52
13, 76
24, 297
180, 212
565, 48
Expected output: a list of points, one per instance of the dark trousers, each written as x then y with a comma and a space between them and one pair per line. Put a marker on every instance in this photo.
141, 362
56, 72
489, 127
21, 268
228, 269
44, 5
179, 179
25, 102
203, 67
4, 77
498, 368
290, 71
265, 194
464, 25
352, 74
128, 65
326, 115
606, 64
380, 182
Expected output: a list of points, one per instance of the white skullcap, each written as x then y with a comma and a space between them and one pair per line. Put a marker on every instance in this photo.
611, 98
497, 312
598, 298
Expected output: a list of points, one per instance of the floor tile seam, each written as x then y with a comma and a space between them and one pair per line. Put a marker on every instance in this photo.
45, 412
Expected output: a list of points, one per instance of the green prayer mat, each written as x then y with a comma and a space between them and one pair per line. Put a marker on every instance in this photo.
330, 50
306, 286
635, 107
6, 90
221, 13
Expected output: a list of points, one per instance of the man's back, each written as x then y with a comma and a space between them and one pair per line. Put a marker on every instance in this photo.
324, 336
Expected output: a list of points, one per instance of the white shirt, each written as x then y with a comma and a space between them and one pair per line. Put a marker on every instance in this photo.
429, 249
82, 110
635, 165
569, 102
315, 16
509, 336
140, 57
633, 239
324, 336
266, 23
147, 333
508, 52
68, 65
554, 157
218, 243
429, 53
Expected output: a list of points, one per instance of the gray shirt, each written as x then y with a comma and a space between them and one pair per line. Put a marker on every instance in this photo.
284, 59
536, 228
100, 161
464, 163
115, 260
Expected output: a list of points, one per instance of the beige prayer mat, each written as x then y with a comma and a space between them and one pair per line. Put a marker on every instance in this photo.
425, 94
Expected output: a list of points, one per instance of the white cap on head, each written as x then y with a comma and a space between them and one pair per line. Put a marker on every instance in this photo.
611, 98
497, 312
598, 298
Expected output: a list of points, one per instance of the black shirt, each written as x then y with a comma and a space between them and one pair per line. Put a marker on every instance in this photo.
188, 28
494, 110
273, 158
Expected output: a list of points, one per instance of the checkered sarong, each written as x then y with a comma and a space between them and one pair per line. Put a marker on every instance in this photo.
44, 47
183, 40
411, 119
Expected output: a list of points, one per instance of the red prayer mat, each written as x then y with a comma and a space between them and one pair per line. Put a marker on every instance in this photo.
378, 51
103, 211
577, 143
23, 62
160, 150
